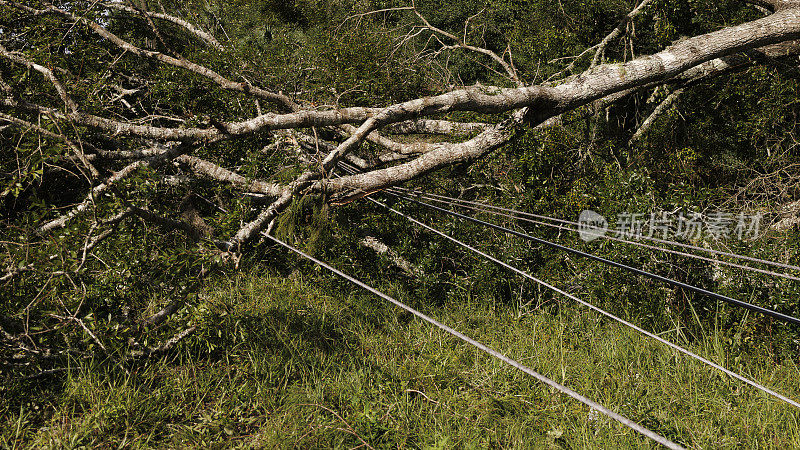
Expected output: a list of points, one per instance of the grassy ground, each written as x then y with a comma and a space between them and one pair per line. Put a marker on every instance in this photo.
312, 362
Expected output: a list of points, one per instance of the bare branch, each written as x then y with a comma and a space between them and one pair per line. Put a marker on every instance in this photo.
62, 92
14, 271
245, 87
766, 4
380, 248
103, 187
164, 346
600, 47
91, 243
617, 32
210, 170
510, 71
192, 29
82, 207
247, 232
266, 122
663, 107
164, 313
393, 146
446, 154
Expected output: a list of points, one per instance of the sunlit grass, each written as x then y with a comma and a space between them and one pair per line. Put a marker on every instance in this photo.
307, 361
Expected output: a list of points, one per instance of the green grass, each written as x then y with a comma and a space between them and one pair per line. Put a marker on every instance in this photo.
312, 362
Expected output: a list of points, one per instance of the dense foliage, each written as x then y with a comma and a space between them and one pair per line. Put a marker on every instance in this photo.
729, 143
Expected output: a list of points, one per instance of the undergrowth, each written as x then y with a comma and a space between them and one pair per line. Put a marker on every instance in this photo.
306, 361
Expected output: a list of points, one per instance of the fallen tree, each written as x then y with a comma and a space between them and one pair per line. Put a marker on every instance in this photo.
102, 133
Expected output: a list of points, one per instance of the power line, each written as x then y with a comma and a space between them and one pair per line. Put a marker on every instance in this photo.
595, 308
526, 217
561, 388
445, 199
485, 208
676, 283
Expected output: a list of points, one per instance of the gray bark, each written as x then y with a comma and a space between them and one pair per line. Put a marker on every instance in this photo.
765, 40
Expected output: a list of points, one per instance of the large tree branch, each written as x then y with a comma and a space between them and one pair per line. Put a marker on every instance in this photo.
188, 26
212, 171
545, 101
448, 154
548, 101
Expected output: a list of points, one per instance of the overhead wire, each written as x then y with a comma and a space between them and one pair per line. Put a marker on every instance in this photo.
739, 303
622, 321
611, 238
494, 353
589, 305
742, 304
525, 214
526, 217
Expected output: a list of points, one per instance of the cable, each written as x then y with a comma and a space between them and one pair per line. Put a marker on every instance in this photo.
780, 316
611, 238
563, 389
445, 199
497, 210
589, 305
595, 308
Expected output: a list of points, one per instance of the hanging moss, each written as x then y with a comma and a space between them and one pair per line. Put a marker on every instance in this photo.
306, 221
